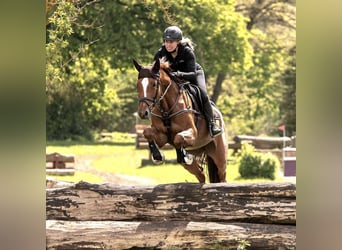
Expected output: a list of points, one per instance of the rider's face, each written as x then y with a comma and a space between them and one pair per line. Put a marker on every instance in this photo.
170, 45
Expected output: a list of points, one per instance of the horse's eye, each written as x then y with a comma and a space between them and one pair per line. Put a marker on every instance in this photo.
154, 84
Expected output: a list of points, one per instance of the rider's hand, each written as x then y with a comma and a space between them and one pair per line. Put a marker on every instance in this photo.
177, 74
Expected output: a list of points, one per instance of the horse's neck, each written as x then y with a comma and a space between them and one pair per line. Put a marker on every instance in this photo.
170, 95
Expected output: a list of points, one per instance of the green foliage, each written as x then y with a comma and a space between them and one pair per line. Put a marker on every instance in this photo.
64, 118
87, 101
243, 244
257, 165
60, 28
288, 102
125, 84
224, 37
90, 78
252, 106
90, 81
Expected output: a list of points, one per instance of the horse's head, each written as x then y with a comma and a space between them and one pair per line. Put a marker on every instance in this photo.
147, 87
155, 88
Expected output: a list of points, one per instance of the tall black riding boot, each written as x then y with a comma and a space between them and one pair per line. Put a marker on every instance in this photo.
214, 130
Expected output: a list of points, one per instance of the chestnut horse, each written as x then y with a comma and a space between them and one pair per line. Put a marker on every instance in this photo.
163, 100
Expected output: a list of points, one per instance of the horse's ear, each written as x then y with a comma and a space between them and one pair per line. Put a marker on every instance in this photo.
156, 66
137, 65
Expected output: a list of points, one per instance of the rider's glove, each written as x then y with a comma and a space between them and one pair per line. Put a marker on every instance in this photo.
177, 74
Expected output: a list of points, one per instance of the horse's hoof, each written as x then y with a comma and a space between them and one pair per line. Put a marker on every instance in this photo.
158, 160
188, 159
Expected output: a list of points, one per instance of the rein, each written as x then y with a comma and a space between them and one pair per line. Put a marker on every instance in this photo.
153, 101
166, 115
143, 73
156, 102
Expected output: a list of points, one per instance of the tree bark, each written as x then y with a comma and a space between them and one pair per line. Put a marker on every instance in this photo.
166, 235
220, 202
218, 87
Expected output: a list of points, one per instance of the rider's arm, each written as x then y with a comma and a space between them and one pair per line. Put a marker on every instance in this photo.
191, 76
189, 71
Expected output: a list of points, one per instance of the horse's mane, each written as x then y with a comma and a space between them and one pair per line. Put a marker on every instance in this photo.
165, 65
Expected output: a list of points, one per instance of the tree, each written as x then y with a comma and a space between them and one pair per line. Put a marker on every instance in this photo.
254, 103
221, 38
79, 99
288, 103
264, 13
90, 46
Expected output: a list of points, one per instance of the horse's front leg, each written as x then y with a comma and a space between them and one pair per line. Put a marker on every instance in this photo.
189, 162
155, 140
184, 157
181, 141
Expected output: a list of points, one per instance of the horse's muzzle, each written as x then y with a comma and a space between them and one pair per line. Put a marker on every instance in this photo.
144, 113
145, 106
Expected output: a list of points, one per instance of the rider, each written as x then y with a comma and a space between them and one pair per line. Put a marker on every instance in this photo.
180, 54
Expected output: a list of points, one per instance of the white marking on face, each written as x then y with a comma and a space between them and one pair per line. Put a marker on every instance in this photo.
144, 83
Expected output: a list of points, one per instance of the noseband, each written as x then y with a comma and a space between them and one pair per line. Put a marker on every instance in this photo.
155, 102
146, 73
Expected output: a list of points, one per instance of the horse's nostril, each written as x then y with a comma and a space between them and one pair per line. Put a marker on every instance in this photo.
144, 114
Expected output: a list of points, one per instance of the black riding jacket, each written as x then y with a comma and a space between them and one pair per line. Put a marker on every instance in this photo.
185, 61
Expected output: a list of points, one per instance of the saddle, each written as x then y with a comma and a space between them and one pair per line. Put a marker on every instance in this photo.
195, 95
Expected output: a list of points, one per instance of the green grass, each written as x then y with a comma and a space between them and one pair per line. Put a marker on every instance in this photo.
119, 156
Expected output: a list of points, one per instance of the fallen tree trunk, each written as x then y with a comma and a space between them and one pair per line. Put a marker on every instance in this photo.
166, 235
220, 202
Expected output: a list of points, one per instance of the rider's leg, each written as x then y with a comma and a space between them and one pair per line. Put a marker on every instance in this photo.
214, 130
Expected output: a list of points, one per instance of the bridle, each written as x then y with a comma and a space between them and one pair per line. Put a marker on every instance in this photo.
166, 115
145, 73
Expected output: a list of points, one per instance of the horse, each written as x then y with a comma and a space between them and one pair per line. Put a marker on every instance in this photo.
163, 99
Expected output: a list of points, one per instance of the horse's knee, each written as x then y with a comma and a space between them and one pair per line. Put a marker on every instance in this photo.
184, 138
178, 141
148, 134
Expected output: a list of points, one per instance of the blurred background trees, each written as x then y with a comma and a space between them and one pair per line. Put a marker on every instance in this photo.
247, 49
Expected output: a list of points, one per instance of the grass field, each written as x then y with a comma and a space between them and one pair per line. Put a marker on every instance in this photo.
97, 161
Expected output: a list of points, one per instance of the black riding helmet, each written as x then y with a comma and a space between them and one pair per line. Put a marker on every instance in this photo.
172, 33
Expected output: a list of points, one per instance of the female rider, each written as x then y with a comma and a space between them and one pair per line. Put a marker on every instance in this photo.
181, 57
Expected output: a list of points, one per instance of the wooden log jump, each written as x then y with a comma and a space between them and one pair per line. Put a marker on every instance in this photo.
166, 235
180, 215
